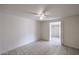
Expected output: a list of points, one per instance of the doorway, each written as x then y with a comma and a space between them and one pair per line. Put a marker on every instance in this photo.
55, 33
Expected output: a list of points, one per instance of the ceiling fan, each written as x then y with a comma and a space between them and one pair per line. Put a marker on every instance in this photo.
41, 14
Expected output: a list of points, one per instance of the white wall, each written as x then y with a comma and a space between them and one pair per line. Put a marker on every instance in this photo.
16, 31
71, 31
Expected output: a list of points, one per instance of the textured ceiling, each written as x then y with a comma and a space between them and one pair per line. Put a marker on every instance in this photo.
53, 11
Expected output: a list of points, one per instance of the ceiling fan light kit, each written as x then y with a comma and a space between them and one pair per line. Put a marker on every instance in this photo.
41, 17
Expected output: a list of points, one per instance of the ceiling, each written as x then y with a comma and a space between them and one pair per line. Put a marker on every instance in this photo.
53, 11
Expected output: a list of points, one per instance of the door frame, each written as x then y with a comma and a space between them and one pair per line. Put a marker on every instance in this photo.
60, 30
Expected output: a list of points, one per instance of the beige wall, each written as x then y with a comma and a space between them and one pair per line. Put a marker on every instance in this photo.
1, 32
45, 29
38, 29
16, 31
71, 31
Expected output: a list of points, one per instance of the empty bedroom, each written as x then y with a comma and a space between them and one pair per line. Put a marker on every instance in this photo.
39, 29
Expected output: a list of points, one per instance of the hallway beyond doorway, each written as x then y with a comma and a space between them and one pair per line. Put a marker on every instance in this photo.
55, 33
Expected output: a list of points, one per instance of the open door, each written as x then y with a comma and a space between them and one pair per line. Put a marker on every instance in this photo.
55, 32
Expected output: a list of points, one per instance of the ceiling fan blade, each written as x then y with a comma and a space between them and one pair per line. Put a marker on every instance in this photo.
48, 16
31, 13
46, 10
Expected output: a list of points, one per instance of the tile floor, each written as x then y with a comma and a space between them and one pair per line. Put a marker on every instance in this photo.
43, 48
55, 41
